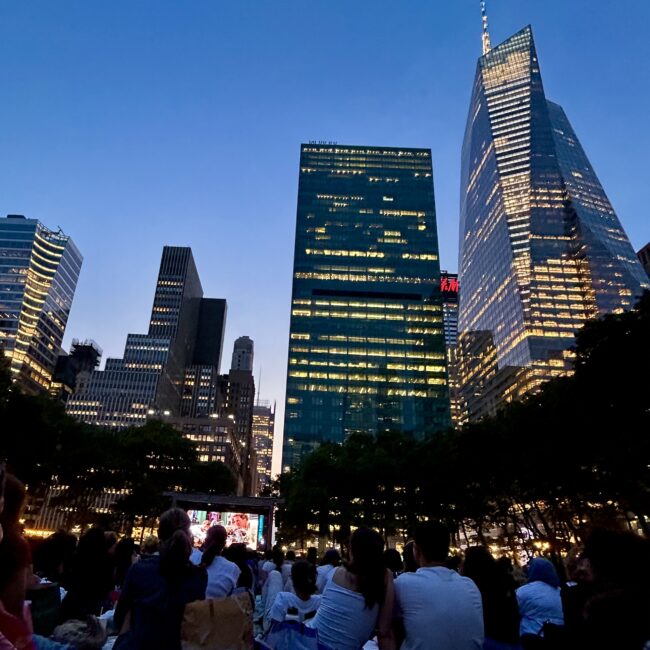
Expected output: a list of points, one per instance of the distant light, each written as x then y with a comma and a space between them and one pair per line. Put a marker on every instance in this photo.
150, 412
231, 416
166, 413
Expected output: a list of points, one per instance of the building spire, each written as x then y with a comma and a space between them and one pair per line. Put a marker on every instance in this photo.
486, 33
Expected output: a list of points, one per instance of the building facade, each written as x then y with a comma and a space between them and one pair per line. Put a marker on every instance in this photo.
366, 348
644, 258
541, 248
449, 288
73, 371
185, 332
263, 432
39, 269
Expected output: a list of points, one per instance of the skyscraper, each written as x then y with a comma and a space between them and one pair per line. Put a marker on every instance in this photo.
238, 388
541, 248
449, 290
263, 430
366, 348
185, 330
242, 354
39, 269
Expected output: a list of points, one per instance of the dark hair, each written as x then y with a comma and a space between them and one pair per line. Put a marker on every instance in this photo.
52, 556
611, 553
215, 541
332, 556
312, 555
149, 546
393, 560
303, 576
238, 554
432, 538
278, 558
481, 567
14, 494
410, 565
175, 545
367, 548
123, 558
291, 556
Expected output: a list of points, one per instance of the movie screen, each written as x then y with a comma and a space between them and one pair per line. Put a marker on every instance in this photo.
242, 528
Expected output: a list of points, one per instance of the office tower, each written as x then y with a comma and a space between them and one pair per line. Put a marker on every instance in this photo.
73, 371
449, 291
644, 258
242, 354
39, 269
263, 430
366, 348
185, 330
541, 248
237, 389
200, 396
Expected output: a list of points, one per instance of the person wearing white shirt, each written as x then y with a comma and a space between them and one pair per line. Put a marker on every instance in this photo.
301, 605
439, 609
222, 574
331, 560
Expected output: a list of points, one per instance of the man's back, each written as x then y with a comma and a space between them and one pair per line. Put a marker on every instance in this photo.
440, 610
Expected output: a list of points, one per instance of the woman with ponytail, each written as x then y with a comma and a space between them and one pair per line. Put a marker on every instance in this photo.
150, 609
358, 598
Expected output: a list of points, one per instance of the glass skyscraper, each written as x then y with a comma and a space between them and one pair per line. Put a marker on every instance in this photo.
39, 269
541, 248
366, 348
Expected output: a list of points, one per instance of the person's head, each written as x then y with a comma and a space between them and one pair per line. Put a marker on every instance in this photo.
110, 538
291, 556
410, 564
332, 556
367, 564
14, 499
303, 576
278, 557
393, 560
480, 566
312, 555
53, 554
618, 559
542, 570
150, 545
92, 546
175, 542
431, 543
215, 542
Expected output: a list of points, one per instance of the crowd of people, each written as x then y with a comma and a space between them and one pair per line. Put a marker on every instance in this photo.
598, 597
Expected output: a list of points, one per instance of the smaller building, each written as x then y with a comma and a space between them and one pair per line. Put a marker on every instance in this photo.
263, 432
73, 371
215, 438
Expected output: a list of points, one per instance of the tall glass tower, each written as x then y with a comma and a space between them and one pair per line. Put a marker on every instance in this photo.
366, 348
541, 248
39, 269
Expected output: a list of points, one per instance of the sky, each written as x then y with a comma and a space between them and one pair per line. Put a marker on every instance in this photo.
132, 124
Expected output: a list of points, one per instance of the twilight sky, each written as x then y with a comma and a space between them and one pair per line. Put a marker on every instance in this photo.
132, 124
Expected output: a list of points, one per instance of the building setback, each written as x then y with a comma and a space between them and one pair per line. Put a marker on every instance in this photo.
366, 348
39, 269
185, 331
541, 248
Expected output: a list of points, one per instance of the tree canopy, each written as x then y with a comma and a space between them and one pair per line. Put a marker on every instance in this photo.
47, 448
544, 469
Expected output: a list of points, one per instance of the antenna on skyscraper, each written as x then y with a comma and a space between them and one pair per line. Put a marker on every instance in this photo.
259, 386
486, 33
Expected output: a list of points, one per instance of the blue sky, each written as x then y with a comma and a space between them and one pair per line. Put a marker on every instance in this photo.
138, 123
